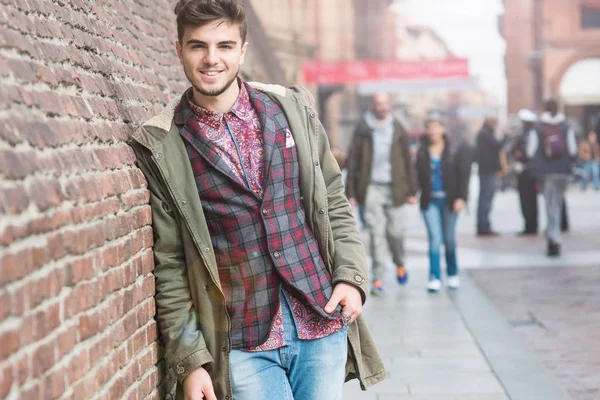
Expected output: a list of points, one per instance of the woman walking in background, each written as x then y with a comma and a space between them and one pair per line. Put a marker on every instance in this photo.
443, 171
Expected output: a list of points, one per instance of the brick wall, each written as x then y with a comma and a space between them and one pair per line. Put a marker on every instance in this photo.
76, 283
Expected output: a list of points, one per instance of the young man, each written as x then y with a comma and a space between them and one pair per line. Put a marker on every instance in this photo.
526, 181
381, 178
552, 146
260, 272
488, 159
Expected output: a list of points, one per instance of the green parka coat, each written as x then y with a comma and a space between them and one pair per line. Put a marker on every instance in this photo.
191, 311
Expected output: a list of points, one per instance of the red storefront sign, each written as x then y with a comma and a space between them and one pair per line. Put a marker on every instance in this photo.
335, 73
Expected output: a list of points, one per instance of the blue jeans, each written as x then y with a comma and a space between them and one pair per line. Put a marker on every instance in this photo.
591, 170
487, 189
301, 370
441, 228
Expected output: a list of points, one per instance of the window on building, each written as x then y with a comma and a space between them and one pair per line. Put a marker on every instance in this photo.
590, 14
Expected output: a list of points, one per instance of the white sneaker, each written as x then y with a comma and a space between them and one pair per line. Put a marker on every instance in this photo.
434, 285
453, 282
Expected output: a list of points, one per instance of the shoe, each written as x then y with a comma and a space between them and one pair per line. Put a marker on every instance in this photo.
377, 289
553, 249
401, 275
453, 282
434, 285
487, 233
528, 233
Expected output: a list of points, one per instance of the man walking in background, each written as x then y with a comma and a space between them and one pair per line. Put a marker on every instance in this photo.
552, 146
260, 271
382, 179
488, 150
526, 181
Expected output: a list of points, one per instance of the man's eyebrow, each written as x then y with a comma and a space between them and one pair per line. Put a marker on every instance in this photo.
225, 42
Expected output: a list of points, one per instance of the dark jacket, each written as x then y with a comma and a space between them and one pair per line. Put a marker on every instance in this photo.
488, 151
456, 170
360, 160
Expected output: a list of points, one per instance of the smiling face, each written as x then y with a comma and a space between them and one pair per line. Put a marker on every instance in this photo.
212, 55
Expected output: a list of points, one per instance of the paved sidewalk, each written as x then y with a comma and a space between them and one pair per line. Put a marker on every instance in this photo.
428, 350
456, 345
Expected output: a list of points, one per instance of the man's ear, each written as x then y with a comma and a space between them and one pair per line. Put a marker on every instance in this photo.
243, 56
179, 50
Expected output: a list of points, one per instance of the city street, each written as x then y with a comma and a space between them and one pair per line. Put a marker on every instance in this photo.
522, 326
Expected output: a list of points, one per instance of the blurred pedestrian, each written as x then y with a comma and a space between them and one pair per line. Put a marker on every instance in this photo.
488, 156
255, 246
381, 178
443, 170
552, 146
526, 180
589, 156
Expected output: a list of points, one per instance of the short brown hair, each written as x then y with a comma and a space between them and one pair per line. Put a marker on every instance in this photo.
201, 12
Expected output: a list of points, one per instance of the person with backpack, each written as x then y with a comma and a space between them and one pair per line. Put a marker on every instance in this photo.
552, 147
443, 172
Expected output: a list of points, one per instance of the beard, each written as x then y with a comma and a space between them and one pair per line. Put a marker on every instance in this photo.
212, 92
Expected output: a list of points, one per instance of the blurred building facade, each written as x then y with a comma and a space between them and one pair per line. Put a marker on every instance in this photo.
553, 50
461, 101
284, 34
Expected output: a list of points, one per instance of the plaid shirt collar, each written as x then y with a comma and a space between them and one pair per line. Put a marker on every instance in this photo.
242, 108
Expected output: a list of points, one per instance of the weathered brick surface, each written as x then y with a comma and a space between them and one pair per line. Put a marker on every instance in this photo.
76, 284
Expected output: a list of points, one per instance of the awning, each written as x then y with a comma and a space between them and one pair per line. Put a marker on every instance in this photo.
581, 83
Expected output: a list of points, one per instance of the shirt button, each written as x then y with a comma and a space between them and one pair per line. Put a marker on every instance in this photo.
224, 349
321, 211
317, 163
158, 155
277, 254
358, 278
180, 370
183, 202
265, 211
206, 250
312, 115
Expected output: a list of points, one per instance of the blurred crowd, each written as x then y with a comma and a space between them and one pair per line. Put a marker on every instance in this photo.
384, 174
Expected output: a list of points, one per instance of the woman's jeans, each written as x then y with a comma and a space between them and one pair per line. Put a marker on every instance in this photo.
300, 370
592, 173
441, 227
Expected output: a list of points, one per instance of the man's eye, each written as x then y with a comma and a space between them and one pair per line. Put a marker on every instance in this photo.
226, 47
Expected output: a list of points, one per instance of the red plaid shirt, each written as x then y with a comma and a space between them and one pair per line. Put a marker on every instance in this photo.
237, 133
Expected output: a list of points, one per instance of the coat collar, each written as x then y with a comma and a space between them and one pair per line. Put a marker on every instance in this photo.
153, 132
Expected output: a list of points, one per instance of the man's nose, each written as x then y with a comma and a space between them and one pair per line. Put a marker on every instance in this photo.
211, 57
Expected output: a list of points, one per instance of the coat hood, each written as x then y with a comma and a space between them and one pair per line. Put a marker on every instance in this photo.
547, 118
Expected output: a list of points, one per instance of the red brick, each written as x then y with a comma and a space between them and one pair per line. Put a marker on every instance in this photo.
82, 268
14, 199
46, 194
66, 341
22, 369
14, 266
43, 359
11, 340
4, 304
54, 384
6, 379
45, 287
78, 367
89, 325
